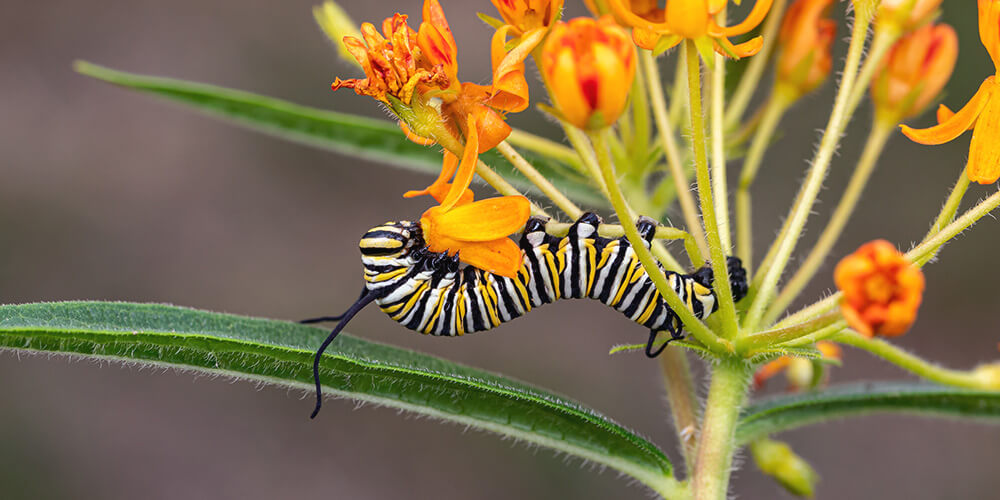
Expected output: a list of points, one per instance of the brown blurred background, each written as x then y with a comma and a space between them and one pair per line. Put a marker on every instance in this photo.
106, 194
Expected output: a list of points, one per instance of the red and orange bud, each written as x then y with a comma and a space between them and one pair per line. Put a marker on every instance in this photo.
906, 15
528, 15
882, 290
804, 60
915, 72
589, 66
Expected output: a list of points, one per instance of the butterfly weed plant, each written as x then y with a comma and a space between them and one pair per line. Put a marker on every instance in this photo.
637, 146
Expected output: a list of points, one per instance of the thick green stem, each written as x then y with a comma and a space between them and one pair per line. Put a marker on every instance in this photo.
674, 163
755, 69
726, 395
881, 43
539, 180
691, 322
914, 364
787, 334
803, 205
683, 400
881, 131
773, 111
717, 253
545, 147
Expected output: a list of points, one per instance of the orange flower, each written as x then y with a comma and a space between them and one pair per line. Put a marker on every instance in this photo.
475, 230
915, 72
404, 64
981, 113
804, 42
882, 290
589, 66
528, 15
647, 9
693, 20
800, 371
906, 15
528, 21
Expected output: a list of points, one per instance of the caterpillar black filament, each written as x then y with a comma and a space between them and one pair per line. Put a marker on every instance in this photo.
428, 292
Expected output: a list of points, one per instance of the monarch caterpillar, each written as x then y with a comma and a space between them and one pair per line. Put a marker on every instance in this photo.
428, 292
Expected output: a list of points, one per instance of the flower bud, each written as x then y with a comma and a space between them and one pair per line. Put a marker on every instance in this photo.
915, 72
882, 290
905, 15
804, 42
776, 459
589, 66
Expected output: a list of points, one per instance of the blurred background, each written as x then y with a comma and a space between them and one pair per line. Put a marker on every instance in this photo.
111, 195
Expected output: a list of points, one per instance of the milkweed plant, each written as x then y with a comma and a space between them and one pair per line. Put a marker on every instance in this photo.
636, 146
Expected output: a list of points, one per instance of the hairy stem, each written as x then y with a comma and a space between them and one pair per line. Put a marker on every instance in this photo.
788, 334
802, 207
773, 111
912, 363
539, 180
755, 69
683, 399
721, 285
881, 131
545, 147
691, 322
948, 211
669, 143
726, 395
717, 104
881, 43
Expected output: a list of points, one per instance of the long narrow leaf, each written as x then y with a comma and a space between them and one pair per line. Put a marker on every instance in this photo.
788, 412
281, 353
376, 140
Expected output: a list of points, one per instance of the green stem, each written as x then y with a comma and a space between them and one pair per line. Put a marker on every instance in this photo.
691, 322
717, 253
821, 334
641, 126
617, 231
684, 198
881, 131
683, 400
539, 180
881, 43
579, 141
802, 207
726, 395
773, 111
948, 211
717, 104
921, 254
787, 334
755, 69
545, 147
677, 92
913, 363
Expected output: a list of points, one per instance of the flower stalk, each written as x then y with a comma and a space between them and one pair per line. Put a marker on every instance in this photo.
723, 292
726, 394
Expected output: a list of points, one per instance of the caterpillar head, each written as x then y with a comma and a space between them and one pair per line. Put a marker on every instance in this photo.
737, 277
392, 240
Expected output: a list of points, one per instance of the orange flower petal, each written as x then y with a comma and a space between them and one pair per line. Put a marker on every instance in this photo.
984, 153
510, 89
466, 168
484, 220
958, 123
631, 19
989, 28
501, 256
756, 16
440, 187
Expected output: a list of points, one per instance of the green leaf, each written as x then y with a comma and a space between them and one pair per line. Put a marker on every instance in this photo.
376, 140
791, 411
282, 353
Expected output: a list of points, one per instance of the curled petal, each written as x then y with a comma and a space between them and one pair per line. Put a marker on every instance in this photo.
958, 123
989, 28
984, 153
631, 19
756, 16
501, 256
745, 49
466, 168
510, 89
440, 187
646, 38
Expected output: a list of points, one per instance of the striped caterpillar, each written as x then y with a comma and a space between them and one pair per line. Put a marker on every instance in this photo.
428, 292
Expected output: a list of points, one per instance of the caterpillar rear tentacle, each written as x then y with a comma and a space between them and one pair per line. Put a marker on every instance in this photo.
428, 292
